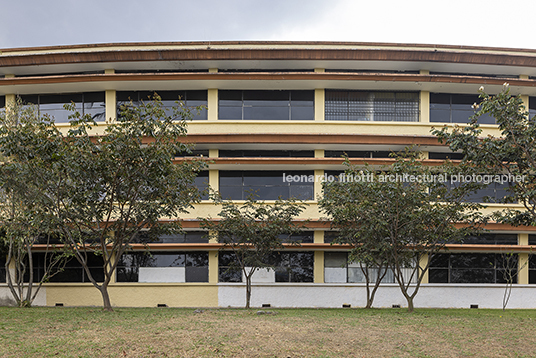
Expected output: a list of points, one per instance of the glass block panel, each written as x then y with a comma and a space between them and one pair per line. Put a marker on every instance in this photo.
371, 106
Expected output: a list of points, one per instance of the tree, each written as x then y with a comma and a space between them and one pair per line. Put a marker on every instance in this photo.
509, 157
253, 231
100, 187
399, 217
20, 220
368, 249
509, 264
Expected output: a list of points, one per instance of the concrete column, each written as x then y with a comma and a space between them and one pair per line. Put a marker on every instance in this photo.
422, 264
214, 179
10, 98
213, 176
10, 102
319, 257
523, 261
320, 98
212, 100
424, 103
317, 186
111, 105
114, 273
213, 266
110, 100
319, 267
318, 236
212, 104
525, 98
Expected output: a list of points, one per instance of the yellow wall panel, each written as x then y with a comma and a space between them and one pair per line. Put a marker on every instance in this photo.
136, 295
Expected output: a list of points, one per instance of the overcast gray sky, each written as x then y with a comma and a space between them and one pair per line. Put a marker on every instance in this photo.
455, 22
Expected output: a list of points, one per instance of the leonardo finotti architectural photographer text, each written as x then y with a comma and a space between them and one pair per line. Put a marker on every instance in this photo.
405, 178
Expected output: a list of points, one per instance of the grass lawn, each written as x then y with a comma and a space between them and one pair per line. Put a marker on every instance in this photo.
170, 332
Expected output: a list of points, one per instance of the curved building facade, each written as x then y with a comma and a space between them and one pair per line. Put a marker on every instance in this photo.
276, 109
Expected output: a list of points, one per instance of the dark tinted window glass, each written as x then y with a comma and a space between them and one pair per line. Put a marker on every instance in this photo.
532, 106
266, 153
294, 266
228, 268
356, 154
442, 155
372, 106
2, 268
201, 183
330, 236
492, 239
71, 272
186, 237
495, 192
473, 268
302, 237
169, 99
267, 185
94, 105
91, 103
197, 267
266, 105
2, 101
455, 108
532, 267
195, 263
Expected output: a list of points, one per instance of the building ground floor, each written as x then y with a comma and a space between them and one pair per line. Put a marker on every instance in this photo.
310, 295
190, 270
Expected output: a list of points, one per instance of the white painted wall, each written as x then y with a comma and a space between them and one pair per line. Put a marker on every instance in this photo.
262, 275
162, 274
6, 298
335, 295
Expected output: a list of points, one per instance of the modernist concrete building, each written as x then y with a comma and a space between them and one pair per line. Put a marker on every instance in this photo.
293, 108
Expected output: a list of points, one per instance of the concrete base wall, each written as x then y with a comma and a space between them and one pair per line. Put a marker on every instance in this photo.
6, 298
280, 295
335, 295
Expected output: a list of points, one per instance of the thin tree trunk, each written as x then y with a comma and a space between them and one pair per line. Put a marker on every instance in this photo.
106, 303
9, 278
379, 279
248, 291
410, 304
28, 300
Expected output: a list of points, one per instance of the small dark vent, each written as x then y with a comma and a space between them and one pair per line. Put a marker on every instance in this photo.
474, 306
346, 305
59, 304
161, 305
266, 305
396, 306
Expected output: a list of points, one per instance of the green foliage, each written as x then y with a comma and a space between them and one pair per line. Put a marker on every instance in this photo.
23, 217
393, 220
98, 187
512, 152
254, 230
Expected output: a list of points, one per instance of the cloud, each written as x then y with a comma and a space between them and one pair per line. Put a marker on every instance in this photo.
459, 22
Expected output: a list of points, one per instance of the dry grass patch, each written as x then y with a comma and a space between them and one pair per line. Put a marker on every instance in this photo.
169, 332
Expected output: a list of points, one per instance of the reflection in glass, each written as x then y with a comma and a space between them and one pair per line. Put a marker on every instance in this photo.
91, 103
455, 108
266, 105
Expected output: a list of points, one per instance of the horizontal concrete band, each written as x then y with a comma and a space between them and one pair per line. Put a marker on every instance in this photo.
286, 295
